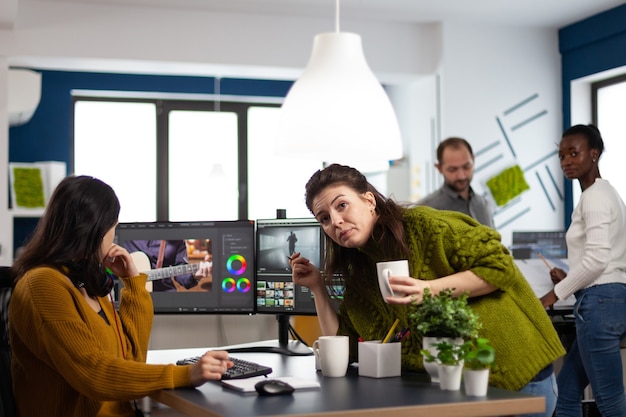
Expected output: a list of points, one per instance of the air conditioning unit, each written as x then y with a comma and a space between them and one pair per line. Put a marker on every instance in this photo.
24, 95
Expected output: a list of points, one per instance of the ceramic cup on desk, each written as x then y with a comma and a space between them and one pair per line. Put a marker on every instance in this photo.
391, 269
332, 355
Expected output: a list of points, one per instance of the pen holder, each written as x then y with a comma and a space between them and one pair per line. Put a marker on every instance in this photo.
379, 360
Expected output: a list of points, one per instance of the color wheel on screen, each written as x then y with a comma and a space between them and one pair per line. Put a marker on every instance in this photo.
242, 285
229, 284
236, 264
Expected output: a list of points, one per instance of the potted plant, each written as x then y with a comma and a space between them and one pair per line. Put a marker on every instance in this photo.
449, 361
479, 357
478, 353
442, 317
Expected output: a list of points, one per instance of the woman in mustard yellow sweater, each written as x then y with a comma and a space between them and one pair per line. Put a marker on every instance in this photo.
73, 353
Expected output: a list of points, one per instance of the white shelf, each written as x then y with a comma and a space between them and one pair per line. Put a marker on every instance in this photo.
24, 212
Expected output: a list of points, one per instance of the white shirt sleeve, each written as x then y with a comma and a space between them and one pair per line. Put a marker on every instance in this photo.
595, 244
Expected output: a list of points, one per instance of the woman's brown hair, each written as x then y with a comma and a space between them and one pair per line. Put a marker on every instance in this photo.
388, 232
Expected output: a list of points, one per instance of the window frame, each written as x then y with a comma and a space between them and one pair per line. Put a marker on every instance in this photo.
163, 108
595, 86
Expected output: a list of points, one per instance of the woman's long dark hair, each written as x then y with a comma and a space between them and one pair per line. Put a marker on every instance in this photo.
80, 212
388, 231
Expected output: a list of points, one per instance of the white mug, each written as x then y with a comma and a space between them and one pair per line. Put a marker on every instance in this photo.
387, 269
332, 354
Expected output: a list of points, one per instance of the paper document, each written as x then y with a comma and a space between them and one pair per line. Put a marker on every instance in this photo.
247, 384
538, 276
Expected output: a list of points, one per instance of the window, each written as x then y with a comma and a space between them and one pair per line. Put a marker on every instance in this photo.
203, 165
115, 142
274, 182
609, 101
189, 160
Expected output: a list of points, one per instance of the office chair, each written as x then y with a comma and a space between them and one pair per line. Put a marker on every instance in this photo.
7, 403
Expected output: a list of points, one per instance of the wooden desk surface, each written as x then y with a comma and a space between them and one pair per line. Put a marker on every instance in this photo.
409, 395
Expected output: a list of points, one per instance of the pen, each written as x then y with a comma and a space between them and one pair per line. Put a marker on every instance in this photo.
404, 335
398, 336
390, 332
545, 261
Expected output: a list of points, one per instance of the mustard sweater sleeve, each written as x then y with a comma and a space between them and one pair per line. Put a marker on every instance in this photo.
136, 314
72, 358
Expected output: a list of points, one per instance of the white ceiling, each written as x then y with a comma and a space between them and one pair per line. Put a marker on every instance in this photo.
542, 13
528, 13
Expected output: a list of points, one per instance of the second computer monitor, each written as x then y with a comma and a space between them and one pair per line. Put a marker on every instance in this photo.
532, 244
276, 241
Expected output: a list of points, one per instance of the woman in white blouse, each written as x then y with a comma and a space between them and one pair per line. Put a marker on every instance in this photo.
597, 277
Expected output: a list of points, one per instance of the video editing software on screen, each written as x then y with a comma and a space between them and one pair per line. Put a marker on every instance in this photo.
277, 240
194, 267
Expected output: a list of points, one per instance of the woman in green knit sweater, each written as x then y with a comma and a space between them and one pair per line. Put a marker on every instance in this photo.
445, 250
73, 353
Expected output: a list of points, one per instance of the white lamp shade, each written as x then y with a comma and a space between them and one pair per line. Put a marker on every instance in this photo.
338, 111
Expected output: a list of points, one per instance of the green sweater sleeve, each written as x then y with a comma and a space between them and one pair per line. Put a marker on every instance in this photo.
513, 318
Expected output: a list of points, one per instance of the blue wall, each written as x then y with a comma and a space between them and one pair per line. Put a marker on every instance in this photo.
48, 135
588, 47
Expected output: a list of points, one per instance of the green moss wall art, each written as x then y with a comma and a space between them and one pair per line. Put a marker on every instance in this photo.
32, 183
507, 185
28, 187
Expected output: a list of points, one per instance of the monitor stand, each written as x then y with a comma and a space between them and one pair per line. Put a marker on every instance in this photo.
284, 346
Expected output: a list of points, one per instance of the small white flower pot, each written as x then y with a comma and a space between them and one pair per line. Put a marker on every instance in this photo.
450, 377
476, 382
432, 367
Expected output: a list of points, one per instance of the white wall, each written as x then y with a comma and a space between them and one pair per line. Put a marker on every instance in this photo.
193, 41
445, 79
187, 330
494, 79
6, 222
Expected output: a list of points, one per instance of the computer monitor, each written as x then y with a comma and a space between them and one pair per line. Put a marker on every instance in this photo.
528, 245
276, 241
535, 253
194, 267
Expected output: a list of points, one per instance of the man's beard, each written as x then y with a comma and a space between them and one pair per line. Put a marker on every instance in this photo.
460, 186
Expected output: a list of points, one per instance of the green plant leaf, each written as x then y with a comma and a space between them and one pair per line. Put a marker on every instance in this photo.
444, 315
447, 354
478, 353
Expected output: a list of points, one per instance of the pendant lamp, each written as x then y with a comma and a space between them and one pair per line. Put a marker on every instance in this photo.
337, 111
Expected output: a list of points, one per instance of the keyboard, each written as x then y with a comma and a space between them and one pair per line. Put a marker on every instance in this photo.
241, 368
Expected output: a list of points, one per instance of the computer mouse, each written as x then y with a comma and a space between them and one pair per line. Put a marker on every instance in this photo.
273, 387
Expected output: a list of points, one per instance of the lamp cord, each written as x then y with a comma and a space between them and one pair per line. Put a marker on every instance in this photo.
337, 16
